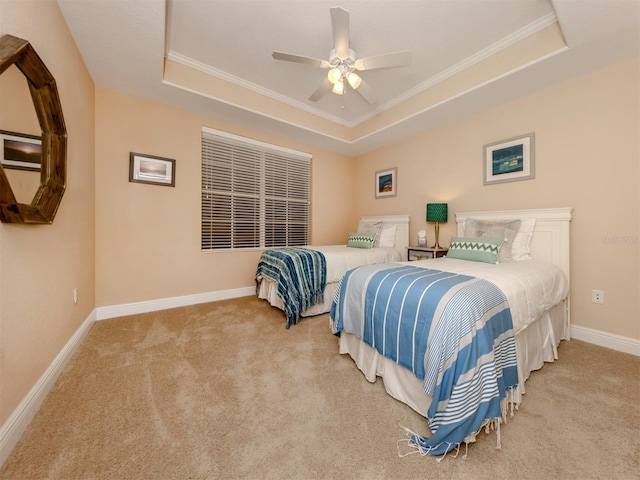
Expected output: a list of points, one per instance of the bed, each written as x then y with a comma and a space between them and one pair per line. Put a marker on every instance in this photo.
278, 282
458, 407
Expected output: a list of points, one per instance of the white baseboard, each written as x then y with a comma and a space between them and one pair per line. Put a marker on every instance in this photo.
608, 340
16, 424
173, 302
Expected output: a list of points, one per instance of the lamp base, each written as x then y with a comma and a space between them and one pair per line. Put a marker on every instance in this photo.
437, 245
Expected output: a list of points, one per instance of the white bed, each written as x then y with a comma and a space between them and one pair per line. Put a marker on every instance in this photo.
537, 334
340, 258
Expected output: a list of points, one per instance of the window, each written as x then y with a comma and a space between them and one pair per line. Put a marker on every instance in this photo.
254, 195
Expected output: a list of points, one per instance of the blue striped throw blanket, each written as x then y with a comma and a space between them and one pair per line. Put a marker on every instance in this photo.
453, 331
300, 274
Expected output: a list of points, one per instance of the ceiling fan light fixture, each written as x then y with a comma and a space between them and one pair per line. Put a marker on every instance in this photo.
343, 61
338, 88
354, 80
334, 75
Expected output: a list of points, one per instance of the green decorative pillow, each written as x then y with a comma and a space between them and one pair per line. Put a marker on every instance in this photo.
361, 240
475, 249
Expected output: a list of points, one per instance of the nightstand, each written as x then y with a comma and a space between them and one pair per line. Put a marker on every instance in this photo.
423, 253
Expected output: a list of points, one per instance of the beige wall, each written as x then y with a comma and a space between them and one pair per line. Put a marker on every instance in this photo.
587, 151
148, 237
40, 265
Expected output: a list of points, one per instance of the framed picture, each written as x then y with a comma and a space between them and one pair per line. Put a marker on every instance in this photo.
509, 160
386, 183
150, 169
21, 151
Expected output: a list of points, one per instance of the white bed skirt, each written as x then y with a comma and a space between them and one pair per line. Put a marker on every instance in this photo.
268, 290
535, 344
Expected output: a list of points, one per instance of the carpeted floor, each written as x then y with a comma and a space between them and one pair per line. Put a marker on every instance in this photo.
224, 391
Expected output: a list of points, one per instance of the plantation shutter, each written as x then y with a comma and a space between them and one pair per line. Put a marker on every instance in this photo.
254, 195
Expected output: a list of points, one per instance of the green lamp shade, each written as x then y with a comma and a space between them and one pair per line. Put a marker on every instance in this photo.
437, 212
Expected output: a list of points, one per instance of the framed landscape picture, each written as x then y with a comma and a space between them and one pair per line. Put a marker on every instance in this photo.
509, 160
20, 151
150, 169
386, 183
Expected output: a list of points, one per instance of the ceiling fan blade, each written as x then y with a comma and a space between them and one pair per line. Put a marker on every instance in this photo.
324, 88
290, 57
340, 28
398, 59
367, 93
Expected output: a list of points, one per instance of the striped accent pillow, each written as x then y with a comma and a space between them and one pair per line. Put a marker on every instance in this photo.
361, 240
475, 249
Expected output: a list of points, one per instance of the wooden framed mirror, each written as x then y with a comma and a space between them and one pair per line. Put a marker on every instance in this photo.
44, 93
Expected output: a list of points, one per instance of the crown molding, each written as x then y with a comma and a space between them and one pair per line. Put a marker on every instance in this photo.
515, 37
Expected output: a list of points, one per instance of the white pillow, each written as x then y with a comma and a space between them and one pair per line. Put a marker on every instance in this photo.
520, 248
505, 229
371, 227
388, 236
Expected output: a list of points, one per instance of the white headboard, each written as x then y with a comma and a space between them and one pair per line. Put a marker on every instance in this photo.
550, 240
402, 229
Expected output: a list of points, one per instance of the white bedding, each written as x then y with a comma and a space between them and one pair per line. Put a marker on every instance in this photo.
339, 258
531, 286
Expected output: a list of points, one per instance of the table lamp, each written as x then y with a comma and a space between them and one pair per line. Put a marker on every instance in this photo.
437, 213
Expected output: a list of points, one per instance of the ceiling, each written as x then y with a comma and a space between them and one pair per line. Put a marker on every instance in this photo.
214, 58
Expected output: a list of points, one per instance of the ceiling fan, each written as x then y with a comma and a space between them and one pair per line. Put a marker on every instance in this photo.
343, 62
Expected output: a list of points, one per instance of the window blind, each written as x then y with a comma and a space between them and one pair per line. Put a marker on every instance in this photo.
254, 194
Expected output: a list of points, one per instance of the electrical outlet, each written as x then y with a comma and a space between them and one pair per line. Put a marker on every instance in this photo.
597, 296
75, 295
